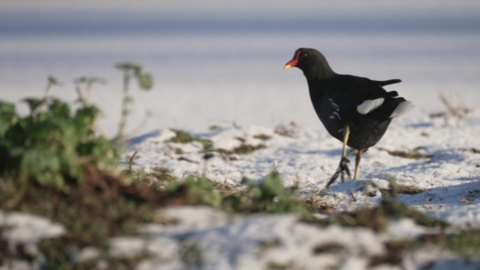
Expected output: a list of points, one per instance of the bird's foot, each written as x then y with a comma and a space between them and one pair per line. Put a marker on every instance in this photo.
341, 170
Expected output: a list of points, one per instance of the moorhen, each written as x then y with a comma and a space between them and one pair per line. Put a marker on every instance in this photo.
355, 110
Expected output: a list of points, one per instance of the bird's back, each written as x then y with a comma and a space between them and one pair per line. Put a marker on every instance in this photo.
336, 100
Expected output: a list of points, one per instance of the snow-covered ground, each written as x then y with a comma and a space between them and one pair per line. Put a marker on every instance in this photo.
194, 236
450, 177
221, 64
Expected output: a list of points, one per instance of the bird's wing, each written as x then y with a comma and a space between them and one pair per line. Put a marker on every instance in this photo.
348, 92
388, 82
363, 89
372, 100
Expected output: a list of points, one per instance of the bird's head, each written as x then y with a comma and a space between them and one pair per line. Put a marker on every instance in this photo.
312, 63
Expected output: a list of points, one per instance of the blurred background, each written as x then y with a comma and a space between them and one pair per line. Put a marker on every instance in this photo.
221, 62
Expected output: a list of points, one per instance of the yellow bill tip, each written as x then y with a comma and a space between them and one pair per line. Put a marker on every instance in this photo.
287, 66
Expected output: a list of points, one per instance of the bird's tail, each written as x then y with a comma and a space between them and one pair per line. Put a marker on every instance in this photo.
402, 108
392, 107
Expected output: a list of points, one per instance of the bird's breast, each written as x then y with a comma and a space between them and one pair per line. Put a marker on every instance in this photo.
331, 116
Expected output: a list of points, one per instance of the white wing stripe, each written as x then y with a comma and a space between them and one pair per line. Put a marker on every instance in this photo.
370, 105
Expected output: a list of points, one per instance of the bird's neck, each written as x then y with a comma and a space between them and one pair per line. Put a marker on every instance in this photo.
320, 71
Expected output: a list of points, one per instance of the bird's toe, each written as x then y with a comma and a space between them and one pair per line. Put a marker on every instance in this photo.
343, 171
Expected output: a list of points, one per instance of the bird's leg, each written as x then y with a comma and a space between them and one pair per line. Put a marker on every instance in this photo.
344, 161
343, 167
357, 163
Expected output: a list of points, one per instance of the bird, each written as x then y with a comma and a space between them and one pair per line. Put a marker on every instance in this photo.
355, 110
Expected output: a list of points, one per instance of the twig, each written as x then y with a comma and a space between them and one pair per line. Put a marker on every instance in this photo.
351, 194
125, 102
80, 94
188, 160
275, 166
89, 90
51, 82
130, 162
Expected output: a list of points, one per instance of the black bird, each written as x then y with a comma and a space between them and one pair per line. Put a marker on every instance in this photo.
355, 110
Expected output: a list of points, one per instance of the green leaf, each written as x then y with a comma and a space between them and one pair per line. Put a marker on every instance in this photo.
247, 181
145, 81
271, 186
58, 108
34, 103
53, 81
89, 80
125, 66
36, 161
7, 108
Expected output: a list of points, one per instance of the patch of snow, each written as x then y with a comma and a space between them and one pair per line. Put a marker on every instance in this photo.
27, 228
406, 228
85, 254
251, 242
259, 241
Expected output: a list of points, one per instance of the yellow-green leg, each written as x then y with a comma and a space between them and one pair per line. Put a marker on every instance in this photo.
346, 134
357, 163
343, 167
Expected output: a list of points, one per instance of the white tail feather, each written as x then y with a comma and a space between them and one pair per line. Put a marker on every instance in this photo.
402, 108
369, 105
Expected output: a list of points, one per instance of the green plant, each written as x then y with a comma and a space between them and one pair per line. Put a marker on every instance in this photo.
267, 196
145, 82
54, 165
196, 190
56, 251
243, 149
183, 137
88, 81
411, 190
51, 147
52, 81
262, 137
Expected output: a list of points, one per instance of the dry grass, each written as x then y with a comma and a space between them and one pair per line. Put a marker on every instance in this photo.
457, 111
412, 154
289, 130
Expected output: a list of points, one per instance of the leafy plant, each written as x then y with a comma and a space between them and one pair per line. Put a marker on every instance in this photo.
88, 81
183, 137
50, 147
145, 82
196, 190
267, 196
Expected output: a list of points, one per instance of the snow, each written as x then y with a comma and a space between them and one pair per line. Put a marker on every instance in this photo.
22, 233
407, 229
22, 228
235, 243
85, 254
450, 179
221, 64
258, 241
450, 175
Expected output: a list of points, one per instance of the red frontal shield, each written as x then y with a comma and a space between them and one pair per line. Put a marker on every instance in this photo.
294, 61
